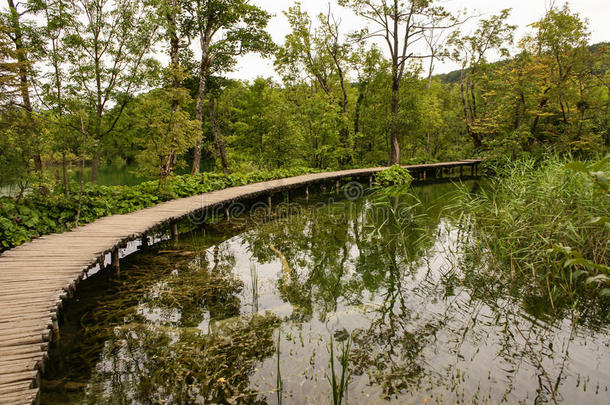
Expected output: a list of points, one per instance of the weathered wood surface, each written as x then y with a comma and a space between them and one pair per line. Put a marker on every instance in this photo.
35, 277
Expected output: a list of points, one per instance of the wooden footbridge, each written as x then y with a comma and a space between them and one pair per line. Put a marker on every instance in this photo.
35, 277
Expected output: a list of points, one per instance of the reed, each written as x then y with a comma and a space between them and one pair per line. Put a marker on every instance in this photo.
513, 223
279, 384
339, 385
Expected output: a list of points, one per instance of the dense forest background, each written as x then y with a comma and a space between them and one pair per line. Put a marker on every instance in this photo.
93, 82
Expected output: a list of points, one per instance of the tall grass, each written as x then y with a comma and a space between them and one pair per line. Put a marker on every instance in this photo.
528, 208
339, 385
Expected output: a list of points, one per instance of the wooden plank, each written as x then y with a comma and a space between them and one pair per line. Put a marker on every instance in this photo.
18, 377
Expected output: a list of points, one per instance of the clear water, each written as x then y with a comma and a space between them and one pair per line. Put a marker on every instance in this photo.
198, 320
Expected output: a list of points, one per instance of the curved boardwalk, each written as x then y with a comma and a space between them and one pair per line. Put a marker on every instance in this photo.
37, 276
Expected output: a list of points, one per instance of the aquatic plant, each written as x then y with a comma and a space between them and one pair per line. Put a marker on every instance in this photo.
254, 281
339, 385
598, 274
513, 222
279, 383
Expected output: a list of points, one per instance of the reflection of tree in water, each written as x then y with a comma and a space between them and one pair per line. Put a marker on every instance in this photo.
349, 254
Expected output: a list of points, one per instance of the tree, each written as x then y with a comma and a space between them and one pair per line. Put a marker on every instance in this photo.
559, 47
107, 51
9, 70
56, 16
324, 59
492, 34
401, 25
17, 33
165, 133
226, 29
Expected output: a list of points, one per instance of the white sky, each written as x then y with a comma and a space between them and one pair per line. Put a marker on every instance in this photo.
523, 13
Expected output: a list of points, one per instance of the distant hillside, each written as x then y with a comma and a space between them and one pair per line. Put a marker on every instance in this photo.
454, 76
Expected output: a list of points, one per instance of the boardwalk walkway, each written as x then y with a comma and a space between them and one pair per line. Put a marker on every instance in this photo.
37, 276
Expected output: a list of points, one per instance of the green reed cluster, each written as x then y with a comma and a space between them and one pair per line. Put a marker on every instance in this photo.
513, 223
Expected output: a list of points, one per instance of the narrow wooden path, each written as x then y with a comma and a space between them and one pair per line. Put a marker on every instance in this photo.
35, 277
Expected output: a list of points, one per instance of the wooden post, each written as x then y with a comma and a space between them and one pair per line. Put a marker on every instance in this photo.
116, 262
371, 180
144, 240
307, 192
174, 231
424, 174
55, 329
337, 186
227, 215
461, 170
269, 204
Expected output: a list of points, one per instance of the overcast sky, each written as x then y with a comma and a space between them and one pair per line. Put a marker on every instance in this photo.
523, 13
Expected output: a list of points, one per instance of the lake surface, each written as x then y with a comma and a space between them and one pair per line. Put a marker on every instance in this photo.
236, 309
108, 175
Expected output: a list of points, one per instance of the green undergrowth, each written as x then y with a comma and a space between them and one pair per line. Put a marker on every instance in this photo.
520, 225
394, 176
43, 211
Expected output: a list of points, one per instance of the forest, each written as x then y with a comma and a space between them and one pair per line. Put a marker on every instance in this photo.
91, 82
490, 286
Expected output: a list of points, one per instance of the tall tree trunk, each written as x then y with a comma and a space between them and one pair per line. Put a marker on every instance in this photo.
23, 62
175, 82
359, 102
394, 145
64, 173
203, 75
220, 145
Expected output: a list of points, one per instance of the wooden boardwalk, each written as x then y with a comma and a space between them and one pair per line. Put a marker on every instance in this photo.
35, 277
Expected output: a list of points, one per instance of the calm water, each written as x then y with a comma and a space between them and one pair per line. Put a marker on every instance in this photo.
199, 320
108, 175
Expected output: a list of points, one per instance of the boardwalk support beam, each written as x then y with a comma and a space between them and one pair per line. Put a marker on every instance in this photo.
174, 231
116, 259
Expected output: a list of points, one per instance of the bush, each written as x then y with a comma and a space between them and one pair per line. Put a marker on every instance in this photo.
41, 213
394, 176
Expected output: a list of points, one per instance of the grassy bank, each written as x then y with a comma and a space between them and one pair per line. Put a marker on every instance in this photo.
532, 221
45, 211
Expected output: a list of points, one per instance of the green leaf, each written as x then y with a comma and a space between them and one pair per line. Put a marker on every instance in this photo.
600, 278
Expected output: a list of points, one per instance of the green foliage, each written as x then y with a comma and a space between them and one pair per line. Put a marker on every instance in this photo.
41, 213
394, 176
598, 274
524, 211
164, 132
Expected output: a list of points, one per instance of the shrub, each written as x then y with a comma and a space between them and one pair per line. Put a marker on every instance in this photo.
394, 176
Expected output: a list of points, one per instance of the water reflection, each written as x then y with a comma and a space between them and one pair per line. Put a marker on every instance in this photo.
195, 322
